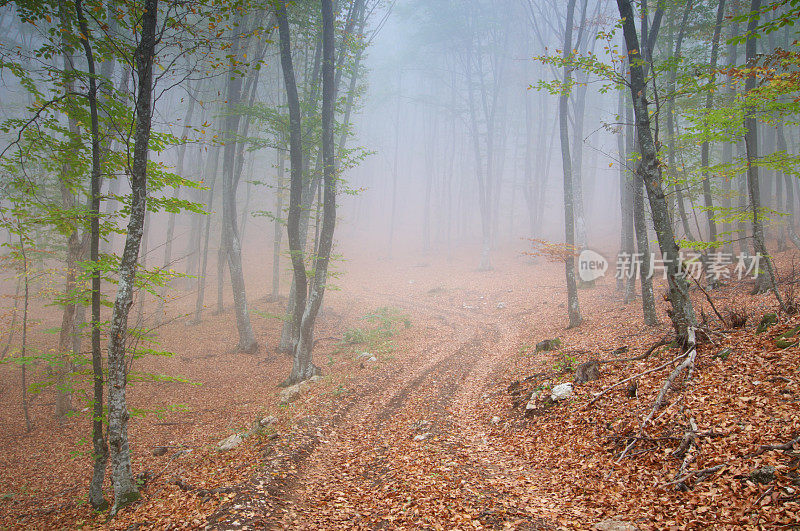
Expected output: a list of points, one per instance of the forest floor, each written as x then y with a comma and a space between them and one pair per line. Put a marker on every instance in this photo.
426, 436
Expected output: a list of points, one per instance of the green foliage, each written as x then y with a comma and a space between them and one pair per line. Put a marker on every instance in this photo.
565, 364
383, 324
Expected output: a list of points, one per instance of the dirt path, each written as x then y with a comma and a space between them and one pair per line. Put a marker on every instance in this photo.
411, 448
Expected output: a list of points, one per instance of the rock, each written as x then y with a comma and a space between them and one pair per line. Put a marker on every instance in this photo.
533, 402
763, 475
548, 344
538, 403
160, 450
422, 436
495, 420
363, 355
267, 421
614, 525
561, 392
290, 393
230, 443
767, 321
501, 305
587, 372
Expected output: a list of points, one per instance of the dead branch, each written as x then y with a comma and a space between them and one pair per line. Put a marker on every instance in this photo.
688, 363
764, 495
708, 298
626, 380
785, 446
700, 474
646, 354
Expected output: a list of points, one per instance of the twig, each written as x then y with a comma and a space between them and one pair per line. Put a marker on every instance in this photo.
766, 492
626, 380
177, 454
708, 298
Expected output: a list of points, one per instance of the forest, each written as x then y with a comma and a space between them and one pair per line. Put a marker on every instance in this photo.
399, 264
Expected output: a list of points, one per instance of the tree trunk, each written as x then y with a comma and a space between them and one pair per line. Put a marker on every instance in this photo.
230, 233
125, 490
278, 226
766, 280
682, 313
307, 302
212, 169
99, 444
172, 215
711, 279
566, 162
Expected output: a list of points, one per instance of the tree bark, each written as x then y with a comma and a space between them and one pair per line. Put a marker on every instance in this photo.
766, 280
230, 232
566, 162
99, 446
125, 490
682, 313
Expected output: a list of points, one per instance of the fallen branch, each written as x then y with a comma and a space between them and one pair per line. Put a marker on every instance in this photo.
785, 446
688, 363
626, 380
764, 495
700, 474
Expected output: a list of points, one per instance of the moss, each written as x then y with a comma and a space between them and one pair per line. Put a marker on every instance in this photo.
766, 323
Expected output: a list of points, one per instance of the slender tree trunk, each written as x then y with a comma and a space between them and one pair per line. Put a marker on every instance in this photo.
704, 148
125, 490
643, 246
230, 233
99, 443
566, 162
766, 280
172, 216
671, 128
24, 347
727, 147
682, 313
212, 169
630, 143
393, 214
278, 226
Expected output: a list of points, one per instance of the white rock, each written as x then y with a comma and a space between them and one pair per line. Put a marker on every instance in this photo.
561, 392
291, 392
532, 403
501, 305
614, 525
495, 420
231, 442
266, 421
422, 436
